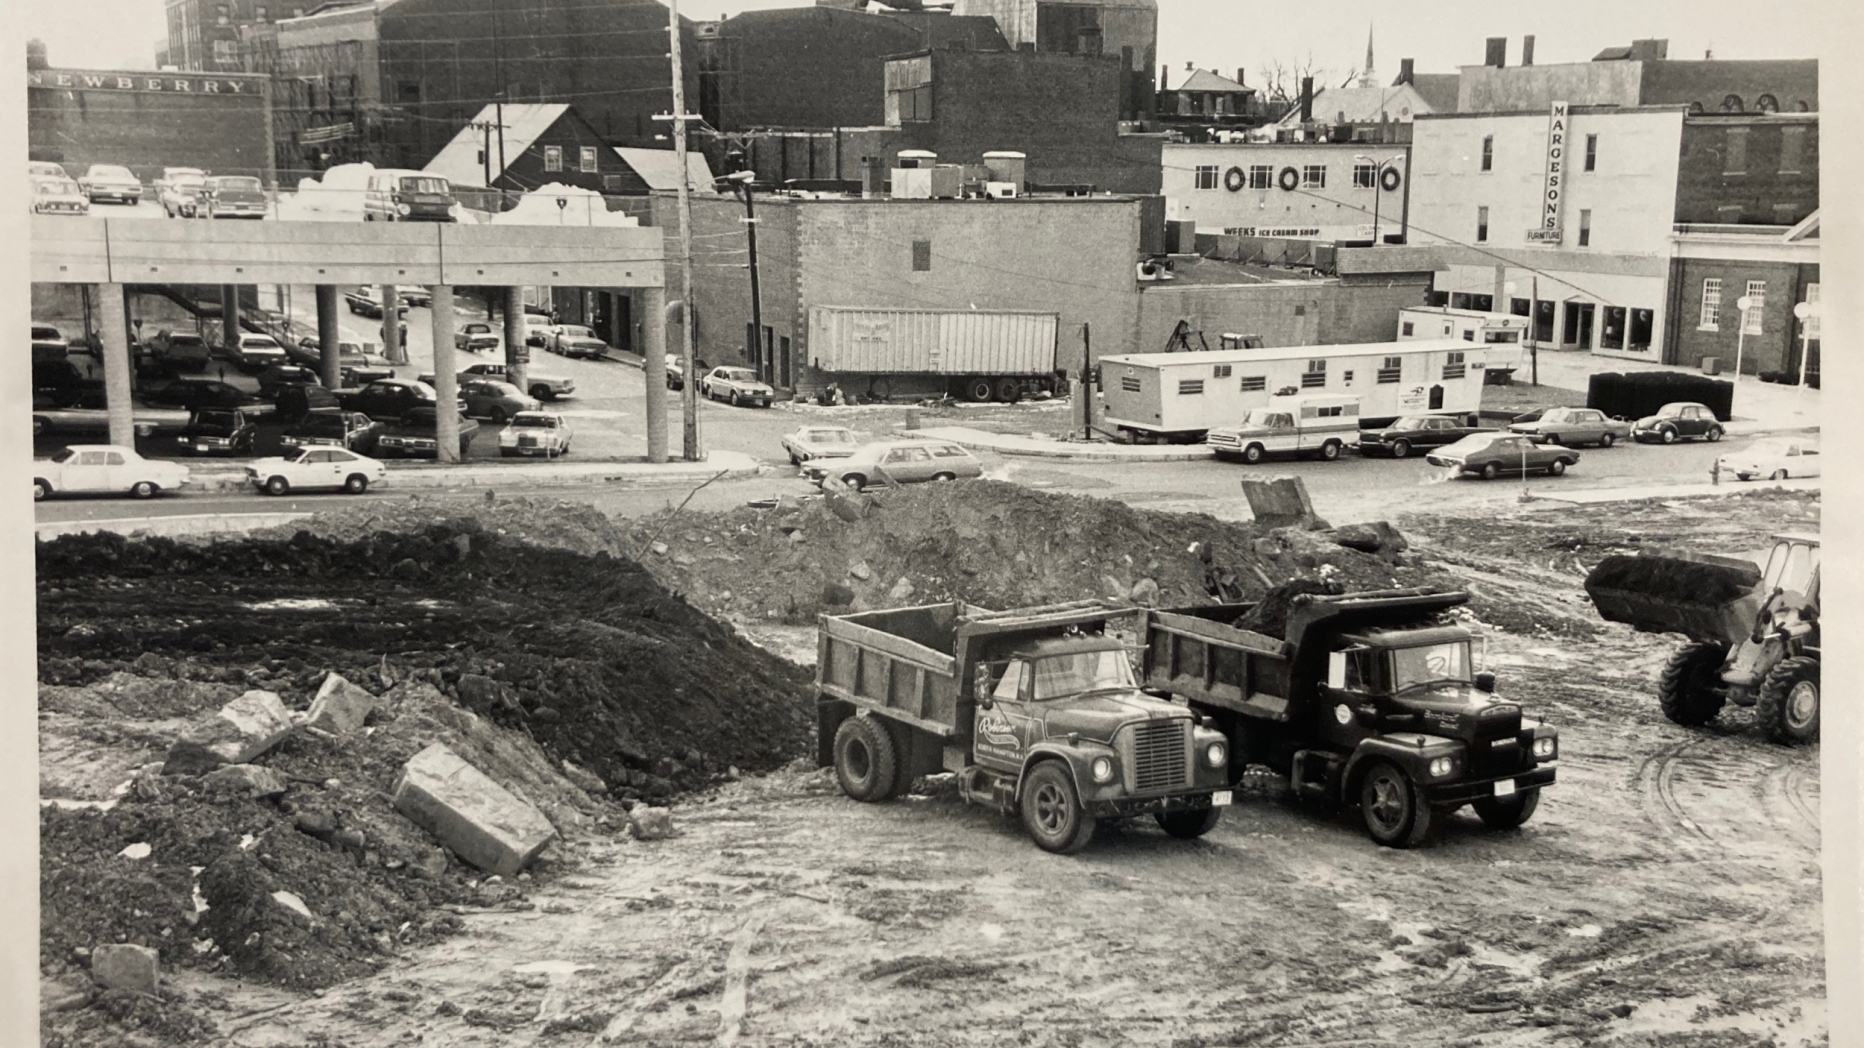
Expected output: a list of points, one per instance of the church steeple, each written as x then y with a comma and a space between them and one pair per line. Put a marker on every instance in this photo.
1366, 78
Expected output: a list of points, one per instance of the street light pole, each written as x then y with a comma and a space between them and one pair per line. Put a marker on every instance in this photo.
1744, 303
742, 181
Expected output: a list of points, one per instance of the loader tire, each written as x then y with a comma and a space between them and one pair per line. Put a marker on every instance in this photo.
1689, 689
1788, 705
865, 761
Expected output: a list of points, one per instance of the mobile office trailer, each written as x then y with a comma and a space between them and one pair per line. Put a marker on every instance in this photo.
1503, 332
1179, 396
978, 355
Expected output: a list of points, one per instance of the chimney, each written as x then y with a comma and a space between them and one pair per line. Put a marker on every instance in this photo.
1650, 50
1239, 76
1497, 52
1307, 99
36, 55
1527, 50
1164, 78
1407, 71
873, 176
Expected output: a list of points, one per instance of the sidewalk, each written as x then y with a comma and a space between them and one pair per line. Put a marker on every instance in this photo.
516, 473
1759, 407
1079, 451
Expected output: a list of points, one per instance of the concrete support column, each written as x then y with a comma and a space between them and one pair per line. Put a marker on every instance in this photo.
446, 377
517, 354
329, 367
391, 324
653, 301
229, 315
117, 401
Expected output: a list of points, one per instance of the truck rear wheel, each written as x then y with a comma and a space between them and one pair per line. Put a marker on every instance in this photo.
1507, 813
1690, 688
1052, 810
1189, 825
1393, 808
978, 390
865, 760
1009, 391
1788, 706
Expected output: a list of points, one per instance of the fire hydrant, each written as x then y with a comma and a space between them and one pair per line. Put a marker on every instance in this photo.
1715, 473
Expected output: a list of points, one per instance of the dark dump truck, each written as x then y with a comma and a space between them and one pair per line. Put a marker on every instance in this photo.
1364, 698
1037, 710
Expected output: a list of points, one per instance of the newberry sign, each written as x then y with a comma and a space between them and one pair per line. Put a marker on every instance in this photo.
173, 83
1554, 187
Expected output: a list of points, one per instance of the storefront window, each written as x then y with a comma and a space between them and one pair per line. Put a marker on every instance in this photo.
1642, 321
1612, 335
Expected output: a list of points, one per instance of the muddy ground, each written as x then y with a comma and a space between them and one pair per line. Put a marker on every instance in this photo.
1666, 893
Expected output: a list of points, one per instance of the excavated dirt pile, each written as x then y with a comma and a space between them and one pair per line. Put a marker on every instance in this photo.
994, 544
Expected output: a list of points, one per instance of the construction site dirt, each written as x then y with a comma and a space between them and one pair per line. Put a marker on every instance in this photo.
1667, 892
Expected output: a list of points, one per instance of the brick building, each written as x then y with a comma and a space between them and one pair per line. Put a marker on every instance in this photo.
147, 121
1714, 267
217, 36
326, 88
1126, 30
1641, 74
1211, 297
1748, 168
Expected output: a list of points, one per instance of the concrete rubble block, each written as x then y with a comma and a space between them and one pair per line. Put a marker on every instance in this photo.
243, 729
585, 780
1145, 591
123, 966
481, 821
252, 779
650, 824
1282, 502
340, 706
902, 590
1375, 537
860, 570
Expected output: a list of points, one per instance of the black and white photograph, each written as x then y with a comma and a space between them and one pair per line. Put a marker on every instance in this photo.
931, 524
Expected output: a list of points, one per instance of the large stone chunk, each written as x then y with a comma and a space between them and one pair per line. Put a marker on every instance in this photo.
122, 966
340, 706
480, 820
1281, 502
250, 779
243, 729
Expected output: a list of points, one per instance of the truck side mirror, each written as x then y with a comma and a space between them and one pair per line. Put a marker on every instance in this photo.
1485, 681
1336, 669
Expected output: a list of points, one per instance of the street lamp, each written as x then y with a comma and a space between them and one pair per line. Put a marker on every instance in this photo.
1807, 312
1378, 180
1744, 303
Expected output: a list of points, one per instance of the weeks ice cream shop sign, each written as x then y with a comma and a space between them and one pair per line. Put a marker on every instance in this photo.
167, 83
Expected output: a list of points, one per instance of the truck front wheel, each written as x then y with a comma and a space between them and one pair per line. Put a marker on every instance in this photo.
1788, 706
865, 760
1395, 813
1499, 813
1690, 688
1052, 811
1189, 825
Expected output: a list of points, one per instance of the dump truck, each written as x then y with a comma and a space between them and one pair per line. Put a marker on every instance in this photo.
1038, 711
1753, 632
1367, 698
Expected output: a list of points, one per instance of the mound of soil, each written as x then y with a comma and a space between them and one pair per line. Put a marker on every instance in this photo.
989, 543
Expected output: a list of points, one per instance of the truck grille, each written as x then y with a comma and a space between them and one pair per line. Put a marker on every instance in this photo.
1158, 758
1223, 439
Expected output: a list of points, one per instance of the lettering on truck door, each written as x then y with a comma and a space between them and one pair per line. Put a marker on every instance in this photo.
997, 735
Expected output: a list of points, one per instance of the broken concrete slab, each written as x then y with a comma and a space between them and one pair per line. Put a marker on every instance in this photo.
125, 966
585, 780
340, 707
1282, 502
650, 824
243, 729
252, 779
902, 590
291, 901
481, 821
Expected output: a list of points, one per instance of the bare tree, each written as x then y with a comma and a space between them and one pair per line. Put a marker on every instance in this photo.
1281, 77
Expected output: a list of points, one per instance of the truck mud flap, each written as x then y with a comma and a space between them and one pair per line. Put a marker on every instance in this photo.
829, 715
1316, 774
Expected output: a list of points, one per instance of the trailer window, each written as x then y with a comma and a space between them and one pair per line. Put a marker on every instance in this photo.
1255, 383
1315, 375
1453, 366
1190, 386
1430, 662
1066, 676
1391, 370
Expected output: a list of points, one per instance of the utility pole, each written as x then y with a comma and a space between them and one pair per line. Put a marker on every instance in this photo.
689, 390
1086, 392
742, 182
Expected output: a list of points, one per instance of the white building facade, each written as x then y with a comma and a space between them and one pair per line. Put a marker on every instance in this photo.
1302, 191
1564, 217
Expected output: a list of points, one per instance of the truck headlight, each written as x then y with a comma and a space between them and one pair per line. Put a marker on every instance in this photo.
403, 208
1215, 753
1545, 747
1442, 766
1103, 769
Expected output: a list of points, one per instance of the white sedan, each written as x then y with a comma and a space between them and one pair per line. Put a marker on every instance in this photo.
541, 434
104, 468
1776, 458
316, 467
738, 385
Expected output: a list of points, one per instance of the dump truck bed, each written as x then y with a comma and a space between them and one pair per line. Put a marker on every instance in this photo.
1708, 598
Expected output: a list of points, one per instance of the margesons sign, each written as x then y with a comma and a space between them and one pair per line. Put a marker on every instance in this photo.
1554, 187
170, 83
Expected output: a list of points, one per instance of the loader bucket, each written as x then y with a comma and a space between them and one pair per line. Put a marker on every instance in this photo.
1702, 596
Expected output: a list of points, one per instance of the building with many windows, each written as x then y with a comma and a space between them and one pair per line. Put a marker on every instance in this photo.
1715, 267
1293, 190
1127, 30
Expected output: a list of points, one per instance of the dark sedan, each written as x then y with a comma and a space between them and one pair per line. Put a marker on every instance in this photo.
414, 435
1491, 454
197, 393
335, 428
1410, 433
219, 431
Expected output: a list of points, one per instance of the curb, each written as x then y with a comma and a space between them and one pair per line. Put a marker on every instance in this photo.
187, 524
1592, 496
515, 476
970, 438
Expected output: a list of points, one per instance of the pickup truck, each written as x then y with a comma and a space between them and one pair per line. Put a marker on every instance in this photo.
1368, 698
1037, 710
1317, 426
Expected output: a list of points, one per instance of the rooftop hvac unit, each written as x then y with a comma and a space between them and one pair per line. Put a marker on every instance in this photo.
916, 158
1153, 270
1000, 190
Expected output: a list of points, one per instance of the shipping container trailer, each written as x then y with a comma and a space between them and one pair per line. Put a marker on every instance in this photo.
978, 355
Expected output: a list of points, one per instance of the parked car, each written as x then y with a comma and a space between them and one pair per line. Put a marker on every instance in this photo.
361, 364
1681, 420
1410, 433
316, 467
275, 380
389, 398
818, 442
1489, 455
535, 433
1775, 458
899, 461
252, 352
95, 468
180, 194
296, 401
179, 351
576, 340
495, 400
414, 295
85, 412
737, 385
196, 393
364, 302
59, 383
58, 196
334, 427
234, 196
475, 336
393, 195
49, 343
543, 387
413, 435
171, 175
1572, 427
110, 182
46, 169
537, 328
219, 431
